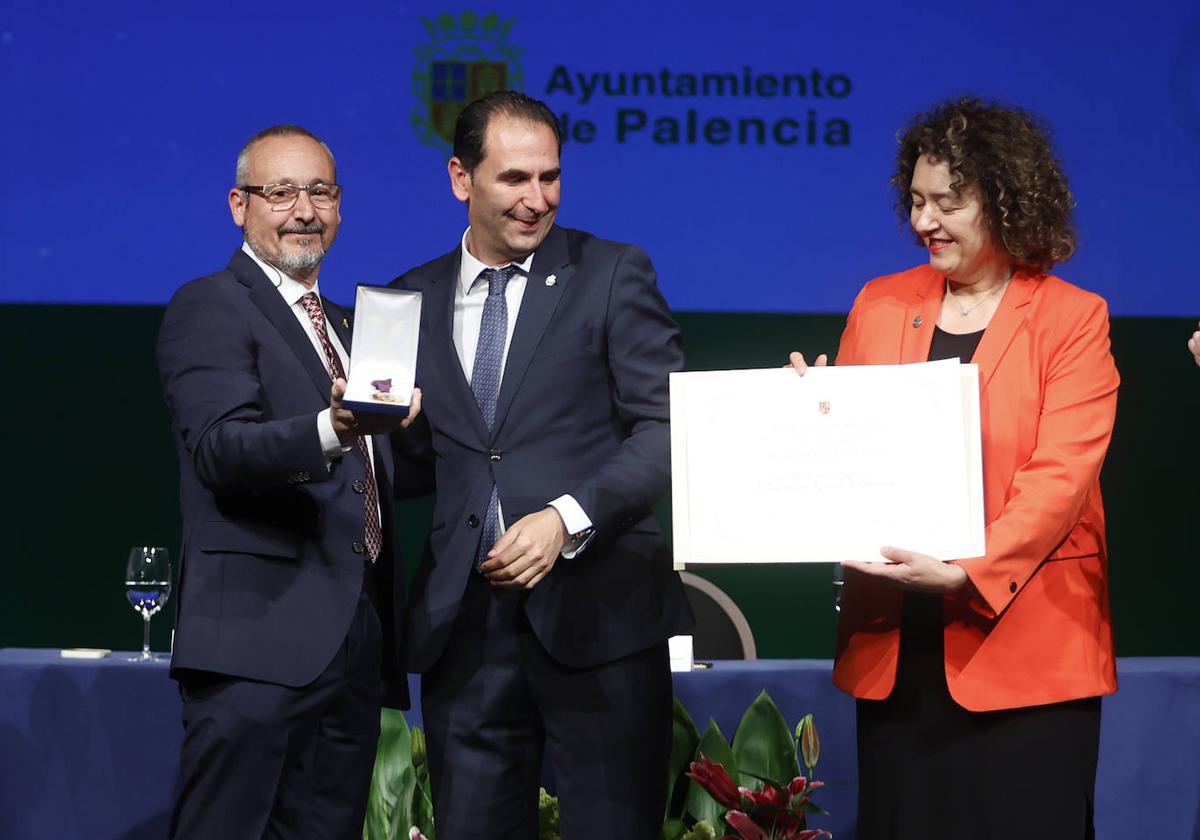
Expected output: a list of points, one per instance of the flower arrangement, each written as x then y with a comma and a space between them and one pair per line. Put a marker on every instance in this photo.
748, 789
771, 812
773, 800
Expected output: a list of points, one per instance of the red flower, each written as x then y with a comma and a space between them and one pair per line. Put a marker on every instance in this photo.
798, 791
714, 779
769, 797
750, 830
745, 826
766, 814
770, 809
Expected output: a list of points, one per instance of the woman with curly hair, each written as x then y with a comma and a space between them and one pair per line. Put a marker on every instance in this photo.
979, 680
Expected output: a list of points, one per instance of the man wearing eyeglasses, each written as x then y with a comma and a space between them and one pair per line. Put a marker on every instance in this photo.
290, 596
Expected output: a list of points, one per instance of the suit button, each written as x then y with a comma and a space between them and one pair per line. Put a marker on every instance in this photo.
473, 521
1012, 587
359, 486
298, 477
358, 547
494, 454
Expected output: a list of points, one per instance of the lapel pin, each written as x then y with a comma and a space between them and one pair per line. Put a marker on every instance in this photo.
551, 280
918, 321
345, 324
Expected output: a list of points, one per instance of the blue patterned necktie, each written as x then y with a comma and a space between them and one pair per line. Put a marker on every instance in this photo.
485, 379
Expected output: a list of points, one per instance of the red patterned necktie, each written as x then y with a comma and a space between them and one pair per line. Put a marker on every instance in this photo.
374, 534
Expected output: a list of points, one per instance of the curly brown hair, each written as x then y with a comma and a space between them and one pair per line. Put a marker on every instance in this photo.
1006, 153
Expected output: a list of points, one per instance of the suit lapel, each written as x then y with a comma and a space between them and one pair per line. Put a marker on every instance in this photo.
920, 318
1004, 324
268, 300
338, 321
437, 345
537, 308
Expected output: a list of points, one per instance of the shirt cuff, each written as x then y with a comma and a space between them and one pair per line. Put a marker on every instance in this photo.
330, 445
579, 527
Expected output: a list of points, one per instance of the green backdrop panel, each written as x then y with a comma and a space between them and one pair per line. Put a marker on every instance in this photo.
91, 472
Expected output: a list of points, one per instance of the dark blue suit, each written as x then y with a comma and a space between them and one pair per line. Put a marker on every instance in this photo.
274, 593
583, 410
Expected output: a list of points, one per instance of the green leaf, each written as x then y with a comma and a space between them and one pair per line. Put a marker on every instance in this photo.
422, 809
389, 801
418, 747
684, 739
763, 743
699, 805
673, 829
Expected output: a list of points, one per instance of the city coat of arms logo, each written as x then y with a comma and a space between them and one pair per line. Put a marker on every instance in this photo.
468, 57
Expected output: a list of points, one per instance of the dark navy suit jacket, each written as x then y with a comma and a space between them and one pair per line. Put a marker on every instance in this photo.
583, 409
272, 562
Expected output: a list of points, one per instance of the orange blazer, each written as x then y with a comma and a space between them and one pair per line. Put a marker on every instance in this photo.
1033, 625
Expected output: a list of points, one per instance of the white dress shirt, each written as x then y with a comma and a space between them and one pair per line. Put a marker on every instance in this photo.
469, 296
292, 290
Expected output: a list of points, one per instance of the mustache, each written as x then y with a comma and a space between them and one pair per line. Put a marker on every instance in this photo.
309, 227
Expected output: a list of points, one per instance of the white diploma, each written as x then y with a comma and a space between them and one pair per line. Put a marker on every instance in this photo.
771, 467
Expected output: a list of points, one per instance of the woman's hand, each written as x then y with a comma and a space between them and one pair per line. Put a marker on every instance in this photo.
801, 366
1193, 345
913, 570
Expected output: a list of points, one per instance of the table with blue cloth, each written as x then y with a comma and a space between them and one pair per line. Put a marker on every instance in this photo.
89, 749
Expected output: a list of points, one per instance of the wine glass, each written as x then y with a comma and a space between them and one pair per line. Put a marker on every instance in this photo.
147, 586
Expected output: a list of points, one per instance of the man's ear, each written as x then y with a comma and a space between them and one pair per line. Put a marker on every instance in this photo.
460, 179
237, 206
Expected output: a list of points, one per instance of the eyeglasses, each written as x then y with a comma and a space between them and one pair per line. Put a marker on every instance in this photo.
283, 196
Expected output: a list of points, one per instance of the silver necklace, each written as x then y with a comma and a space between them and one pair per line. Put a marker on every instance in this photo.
967, 310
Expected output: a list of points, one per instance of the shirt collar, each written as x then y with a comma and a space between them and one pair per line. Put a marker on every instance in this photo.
469, 267
291, 288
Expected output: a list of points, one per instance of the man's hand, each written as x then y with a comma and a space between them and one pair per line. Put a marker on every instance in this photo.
1194, 346
801, 366
913, 570
349, 425
527, 551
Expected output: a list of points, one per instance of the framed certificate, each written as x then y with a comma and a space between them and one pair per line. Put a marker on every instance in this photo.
771, 467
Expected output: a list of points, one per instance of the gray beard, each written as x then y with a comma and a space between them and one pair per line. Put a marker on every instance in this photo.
292, 263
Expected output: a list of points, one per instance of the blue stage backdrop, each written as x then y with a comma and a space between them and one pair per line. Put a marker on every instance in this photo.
747, 147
